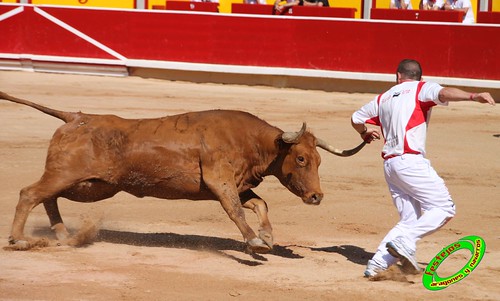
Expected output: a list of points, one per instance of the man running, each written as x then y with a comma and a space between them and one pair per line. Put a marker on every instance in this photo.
419, 194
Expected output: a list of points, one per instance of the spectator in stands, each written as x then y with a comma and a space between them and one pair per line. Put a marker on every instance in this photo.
400, 4
431, 4
323, 3
282, 7
461, 5
255, 2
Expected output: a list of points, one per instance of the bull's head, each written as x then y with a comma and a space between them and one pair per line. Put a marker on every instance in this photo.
299, 168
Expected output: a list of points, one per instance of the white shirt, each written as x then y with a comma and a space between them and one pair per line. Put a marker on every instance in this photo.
469, 16
402, 113
432, 3
397, 3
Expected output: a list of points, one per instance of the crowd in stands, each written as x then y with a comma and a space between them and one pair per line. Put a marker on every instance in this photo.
465, 6
459, 5
283, 5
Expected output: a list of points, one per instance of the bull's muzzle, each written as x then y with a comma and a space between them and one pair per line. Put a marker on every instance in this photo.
313, 199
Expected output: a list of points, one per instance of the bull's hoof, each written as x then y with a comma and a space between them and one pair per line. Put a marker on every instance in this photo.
257, 245
60, 231
27, 244
267, 238
18, 245
12, 240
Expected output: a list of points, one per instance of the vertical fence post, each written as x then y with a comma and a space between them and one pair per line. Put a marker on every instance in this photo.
141, 4
367, 6
484, 5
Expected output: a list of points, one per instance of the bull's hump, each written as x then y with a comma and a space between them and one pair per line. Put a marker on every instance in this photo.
202, 122
229, 120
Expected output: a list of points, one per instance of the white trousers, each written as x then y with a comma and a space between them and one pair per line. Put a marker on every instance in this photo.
421, 198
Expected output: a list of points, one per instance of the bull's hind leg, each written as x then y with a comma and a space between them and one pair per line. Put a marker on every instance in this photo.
91, 190
252, 201
56, 222
29, 198
46, 191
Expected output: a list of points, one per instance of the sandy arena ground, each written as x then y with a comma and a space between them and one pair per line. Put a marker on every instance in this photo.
151, 249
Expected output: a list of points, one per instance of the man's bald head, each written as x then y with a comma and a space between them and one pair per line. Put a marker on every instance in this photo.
409, 70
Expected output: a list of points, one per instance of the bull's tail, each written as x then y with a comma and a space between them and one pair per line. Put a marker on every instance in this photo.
64, 116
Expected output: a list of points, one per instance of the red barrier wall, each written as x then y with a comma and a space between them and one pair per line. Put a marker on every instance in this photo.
444, 49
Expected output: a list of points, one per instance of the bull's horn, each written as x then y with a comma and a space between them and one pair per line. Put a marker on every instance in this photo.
293, 137
343, 153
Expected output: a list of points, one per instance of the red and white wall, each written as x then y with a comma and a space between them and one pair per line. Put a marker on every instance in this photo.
466, 55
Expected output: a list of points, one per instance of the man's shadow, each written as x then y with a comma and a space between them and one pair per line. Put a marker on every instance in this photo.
354, 254
192, 242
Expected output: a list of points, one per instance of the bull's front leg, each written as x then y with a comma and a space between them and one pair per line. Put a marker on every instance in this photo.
218, 175
252, 201
233, 208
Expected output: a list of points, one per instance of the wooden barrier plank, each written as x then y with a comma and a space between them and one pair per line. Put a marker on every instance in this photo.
417, 15
254, 9
316, 11
192, 6
488, 17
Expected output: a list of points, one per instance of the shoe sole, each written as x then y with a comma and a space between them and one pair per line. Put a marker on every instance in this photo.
408, 266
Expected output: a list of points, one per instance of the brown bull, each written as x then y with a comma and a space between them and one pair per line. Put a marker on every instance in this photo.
219, 155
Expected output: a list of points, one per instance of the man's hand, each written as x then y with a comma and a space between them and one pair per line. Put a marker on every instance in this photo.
483, 97
370, 134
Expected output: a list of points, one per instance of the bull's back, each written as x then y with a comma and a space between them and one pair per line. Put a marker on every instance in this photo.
195, 128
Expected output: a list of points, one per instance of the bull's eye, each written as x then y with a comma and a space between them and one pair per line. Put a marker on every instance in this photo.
301, 160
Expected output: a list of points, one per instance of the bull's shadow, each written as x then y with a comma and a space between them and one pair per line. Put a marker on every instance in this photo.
354, 254
191, 242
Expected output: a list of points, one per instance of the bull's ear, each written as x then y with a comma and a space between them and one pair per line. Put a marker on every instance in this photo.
293, 137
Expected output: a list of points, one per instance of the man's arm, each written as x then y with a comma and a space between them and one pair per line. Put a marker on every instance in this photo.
279, 7
438, 5
361, 117
452, 7
454, 94
310, 3
367, 134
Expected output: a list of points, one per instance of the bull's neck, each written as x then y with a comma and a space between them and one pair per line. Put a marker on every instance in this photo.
272, 157
267, 155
